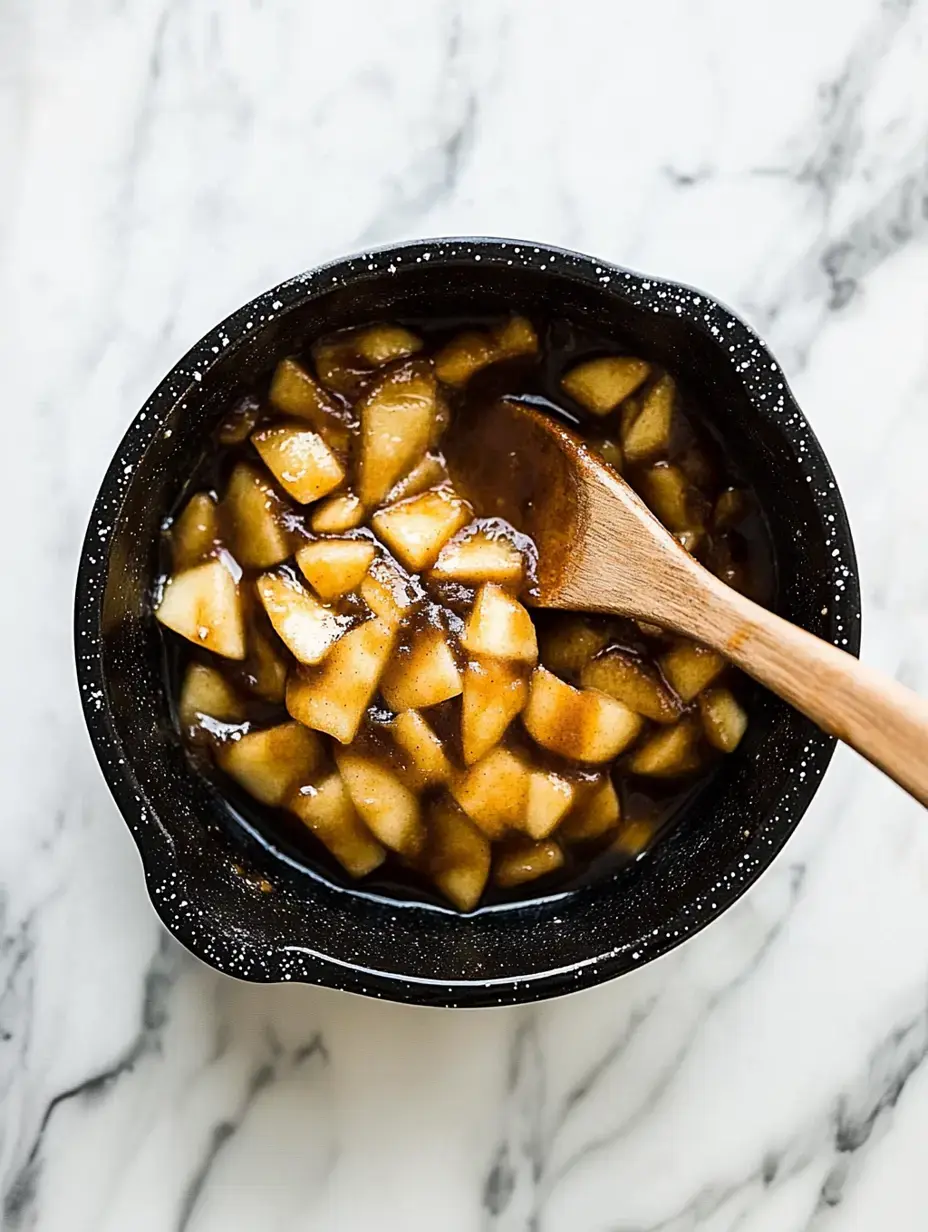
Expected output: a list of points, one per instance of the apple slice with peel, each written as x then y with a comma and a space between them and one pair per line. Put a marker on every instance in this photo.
203, 605
307, 627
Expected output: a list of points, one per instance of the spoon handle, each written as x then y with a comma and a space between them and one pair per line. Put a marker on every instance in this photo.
880, 718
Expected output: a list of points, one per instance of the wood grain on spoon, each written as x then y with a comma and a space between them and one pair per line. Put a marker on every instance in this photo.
602, 550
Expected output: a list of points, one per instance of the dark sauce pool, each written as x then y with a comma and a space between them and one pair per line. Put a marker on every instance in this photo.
742, 556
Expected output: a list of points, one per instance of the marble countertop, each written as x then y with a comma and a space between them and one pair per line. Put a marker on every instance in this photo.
161, 161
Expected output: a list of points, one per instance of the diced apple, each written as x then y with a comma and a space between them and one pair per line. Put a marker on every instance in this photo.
599, 385
724, 720
336, 514
422, 674
458, 855
428, 473
690, 539
668, 752
569, 643
296, 392
254, 514
648, 436
270, 763
301, 461
240, 422
465, 354
195, 533
307, 627
495, 691
206, 692
480, 555
388, 593
377, 345
666, 491
494, 792
386, 806
730, 507
397, 417
418, 528
597, 811
427, 761
326, 809
499, 627
515, 336
634, 836
203, 605
624, 677
688, 668
334, 566
264, 669
611, 452
579, 724
333, 697
628, 413
550, 797
526, 862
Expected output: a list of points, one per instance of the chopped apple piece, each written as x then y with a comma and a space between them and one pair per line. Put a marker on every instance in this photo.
599, 385
624, 677
397, 417
634, 836
526, 862
427, 761
494, 792
666, 492
580, 724
296, 392
300, 460
428, 473
376, 345
195, 533
724, 720
464, 355
688, 668
690, 539
495, 691
516, 336
264, 669
480, 555
325, 808
418, 528
334, 566
568, 644
596, 812
611, 452
499, 627
668, 752
270, 763
206, 692
387, 807
550, 797
203, 605
648, 436
628, 413
422, 674
730, 507
254, 512
307, 627
472, 350
240, 422
333, 698
388, 592
458, 855
337, 514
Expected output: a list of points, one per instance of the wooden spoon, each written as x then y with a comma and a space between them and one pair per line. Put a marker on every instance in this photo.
602, 550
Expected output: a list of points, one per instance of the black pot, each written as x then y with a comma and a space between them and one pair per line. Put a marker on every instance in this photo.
210, 883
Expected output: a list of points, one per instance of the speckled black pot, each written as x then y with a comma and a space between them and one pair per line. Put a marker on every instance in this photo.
307, 929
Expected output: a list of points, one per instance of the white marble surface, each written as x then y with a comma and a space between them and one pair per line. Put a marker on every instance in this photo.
160, 162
